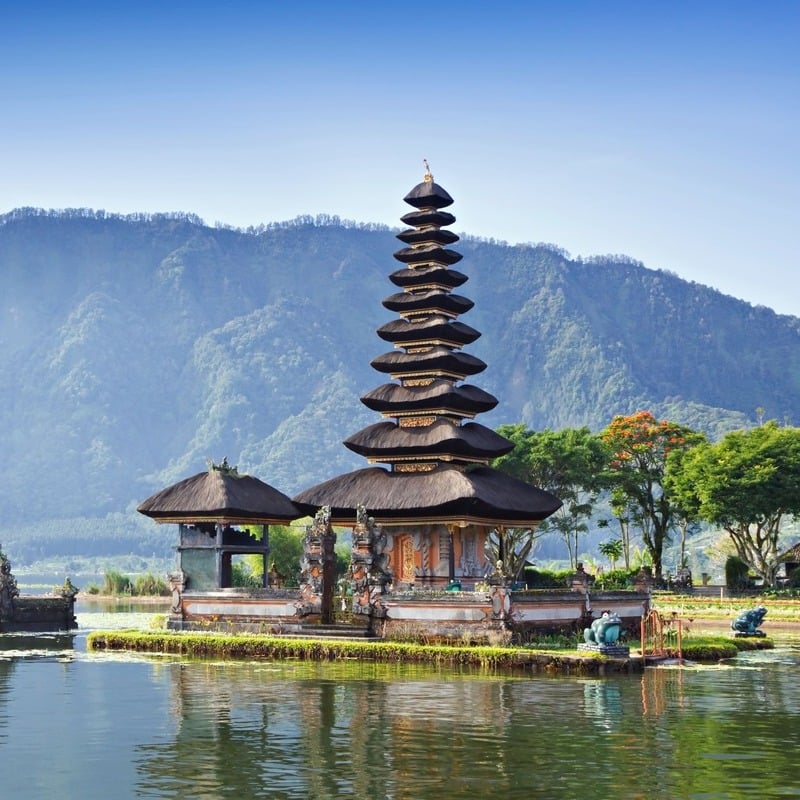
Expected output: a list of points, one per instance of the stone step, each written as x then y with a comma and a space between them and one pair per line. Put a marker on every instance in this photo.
335, 631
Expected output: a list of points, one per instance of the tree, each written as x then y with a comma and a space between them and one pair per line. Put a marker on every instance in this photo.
285, 551
567, 463
639, 446
685, 515
514, 547
612, 550
747, 484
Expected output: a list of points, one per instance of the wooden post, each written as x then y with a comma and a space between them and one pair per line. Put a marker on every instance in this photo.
218, 557
451, 556
265, 556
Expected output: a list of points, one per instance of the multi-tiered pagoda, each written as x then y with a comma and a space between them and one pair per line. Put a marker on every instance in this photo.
436, 498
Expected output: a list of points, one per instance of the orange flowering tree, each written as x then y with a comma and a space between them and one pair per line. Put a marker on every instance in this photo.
640, 445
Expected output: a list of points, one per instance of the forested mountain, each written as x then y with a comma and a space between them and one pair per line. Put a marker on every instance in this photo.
132, 349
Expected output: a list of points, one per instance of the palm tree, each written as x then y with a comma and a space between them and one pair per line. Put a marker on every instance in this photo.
612, 550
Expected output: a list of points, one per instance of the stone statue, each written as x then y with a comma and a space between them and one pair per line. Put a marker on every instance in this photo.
8, 588
68, 589
748, 622
605, 630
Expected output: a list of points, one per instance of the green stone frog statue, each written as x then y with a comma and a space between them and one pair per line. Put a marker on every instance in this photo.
605, 630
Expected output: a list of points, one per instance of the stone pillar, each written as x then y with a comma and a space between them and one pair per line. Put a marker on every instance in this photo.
318, 565
369, 576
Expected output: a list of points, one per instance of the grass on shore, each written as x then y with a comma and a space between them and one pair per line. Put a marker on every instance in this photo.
686, 606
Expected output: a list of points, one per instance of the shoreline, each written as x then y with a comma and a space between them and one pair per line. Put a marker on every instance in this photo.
145, 599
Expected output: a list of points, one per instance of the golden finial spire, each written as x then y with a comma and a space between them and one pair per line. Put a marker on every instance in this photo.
428, 176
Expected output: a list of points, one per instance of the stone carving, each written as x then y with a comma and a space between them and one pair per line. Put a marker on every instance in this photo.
68, 589
469, 554
317, 564
580, 580
604, 631
369, 575
500, 596
177, 583
748, 622
8, 588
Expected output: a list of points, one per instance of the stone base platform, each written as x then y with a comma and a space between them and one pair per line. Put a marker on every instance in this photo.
611, 650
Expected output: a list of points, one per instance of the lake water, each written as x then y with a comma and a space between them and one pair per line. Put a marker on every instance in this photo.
75, 724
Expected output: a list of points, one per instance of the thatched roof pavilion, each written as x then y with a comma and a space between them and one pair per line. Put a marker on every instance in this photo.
436, 458
221, 495
206, 508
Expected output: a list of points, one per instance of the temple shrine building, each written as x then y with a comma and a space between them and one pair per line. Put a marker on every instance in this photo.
428, 484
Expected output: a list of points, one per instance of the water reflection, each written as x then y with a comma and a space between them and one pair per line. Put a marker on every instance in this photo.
36, 645
369, 732
170, 728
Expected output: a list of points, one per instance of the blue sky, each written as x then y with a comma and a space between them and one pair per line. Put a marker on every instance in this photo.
667, 131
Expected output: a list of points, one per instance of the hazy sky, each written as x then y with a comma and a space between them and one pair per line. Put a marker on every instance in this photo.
667, 131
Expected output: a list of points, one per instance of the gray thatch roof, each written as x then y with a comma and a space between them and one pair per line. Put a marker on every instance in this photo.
440, 394
482, 496
431, 301
428, 254
428, 217
433, 274
428, 195
437, 359
437, 327
221, 495
433, 235
470, 441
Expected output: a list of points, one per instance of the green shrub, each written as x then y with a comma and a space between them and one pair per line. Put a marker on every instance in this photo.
616, 579
149, 585
115, 583
243, 577
545, 579
736, 574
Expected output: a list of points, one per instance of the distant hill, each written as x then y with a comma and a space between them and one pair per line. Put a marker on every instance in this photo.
134, 348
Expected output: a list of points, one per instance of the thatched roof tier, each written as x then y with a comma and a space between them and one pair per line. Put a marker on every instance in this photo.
221, 496
428, 276
481, 496
428, 254
386, 441
437, 359
440, 396
428, 218
436, 329
427, 235
410, 302
428, 195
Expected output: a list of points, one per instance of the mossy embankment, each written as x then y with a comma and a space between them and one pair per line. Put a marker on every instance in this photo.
249, 646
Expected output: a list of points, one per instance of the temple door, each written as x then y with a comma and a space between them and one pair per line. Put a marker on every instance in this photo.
406, 571
327, 615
